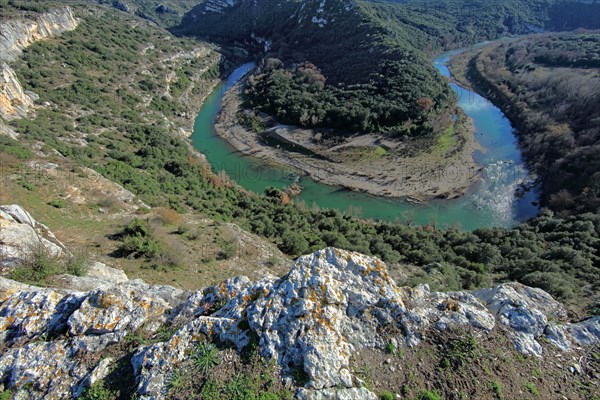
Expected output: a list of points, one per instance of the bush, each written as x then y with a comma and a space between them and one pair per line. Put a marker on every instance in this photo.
38, 265
58, 203
138, 240
77, 265
98, 391
428, 395
293, 243
168, 216
387, 396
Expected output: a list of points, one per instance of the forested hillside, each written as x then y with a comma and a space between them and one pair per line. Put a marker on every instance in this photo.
549, 85
364, 66
117, 127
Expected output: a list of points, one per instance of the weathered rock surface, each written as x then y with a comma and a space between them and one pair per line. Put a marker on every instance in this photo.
20, 235
329, 306
16, 35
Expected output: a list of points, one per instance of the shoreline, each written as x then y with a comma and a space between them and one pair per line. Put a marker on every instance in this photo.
354, 164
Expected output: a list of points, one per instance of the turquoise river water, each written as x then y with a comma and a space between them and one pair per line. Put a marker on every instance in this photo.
490, 202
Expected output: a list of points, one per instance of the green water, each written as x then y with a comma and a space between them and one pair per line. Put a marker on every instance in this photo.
490, 202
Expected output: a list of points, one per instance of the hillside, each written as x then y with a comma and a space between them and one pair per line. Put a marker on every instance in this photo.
363, 66
335, 326
549, 85
91, 126
119, 248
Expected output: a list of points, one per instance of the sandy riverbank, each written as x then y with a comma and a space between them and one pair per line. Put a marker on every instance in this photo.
359, 162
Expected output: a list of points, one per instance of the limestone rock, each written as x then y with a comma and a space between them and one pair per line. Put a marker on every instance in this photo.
525, 311
336, 394
15, 102
20, 235
330, 305
16, 35
104, 272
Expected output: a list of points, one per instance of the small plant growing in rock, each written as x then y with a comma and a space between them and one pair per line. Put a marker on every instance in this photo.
497, 389
387, 396
6, 394
205, 357
391, 348
531, 388
176, 381
428, 395
98, 391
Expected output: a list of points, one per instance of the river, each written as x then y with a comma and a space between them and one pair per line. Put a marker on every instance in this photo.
490, 202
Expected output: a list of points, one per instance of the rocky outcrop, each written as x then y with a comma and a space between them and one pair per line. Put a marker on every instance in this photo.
21, 235
16, 35
331, 305
14, 101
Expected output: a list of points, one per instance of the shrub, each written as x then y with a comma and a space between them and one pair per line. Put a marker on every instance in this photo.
77, 264
168, 216
387, 396
293, 243
138, 240
37, 266
98, 391
531, 388
428, 395
58, 203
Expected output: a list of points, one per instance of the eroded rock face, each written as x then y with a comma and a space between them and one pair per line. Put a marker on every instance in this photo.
525, 312
16, 35
20, 235
330, 305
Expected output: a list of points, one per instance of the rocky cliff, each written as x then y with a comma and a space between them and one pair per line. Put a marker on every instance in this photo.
331, 305
16, 35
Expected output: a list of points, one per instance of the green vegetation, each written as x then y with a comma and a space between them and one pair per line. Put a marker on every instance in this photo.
132, 146
531, 388
387, 396
497, 389
458, 352
6, 394
139, 241
98, 391
428, 395
205, 357
40, 264
548, 86
366, 67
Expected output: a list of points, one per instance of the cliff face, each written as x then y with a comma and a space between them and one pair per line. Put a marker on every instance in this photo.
16, 35
332, 305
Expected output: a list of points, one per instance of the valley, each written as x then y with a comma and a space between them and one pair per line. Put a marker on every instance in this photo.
163, 163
